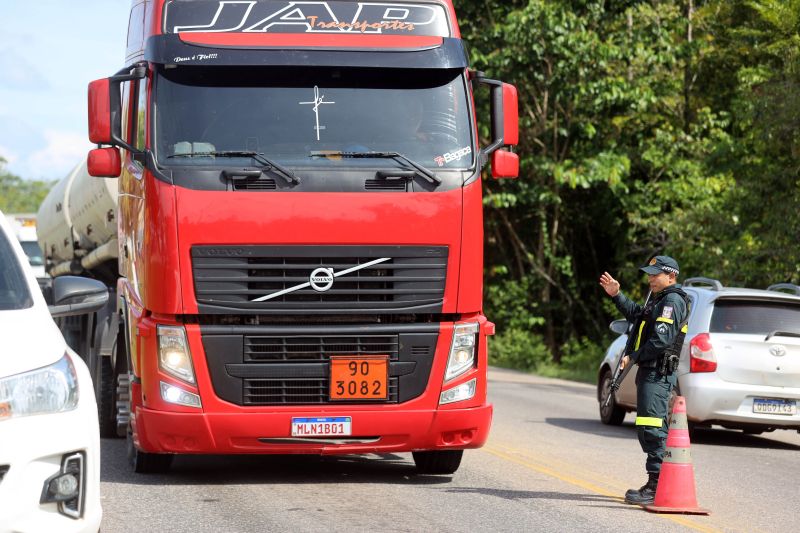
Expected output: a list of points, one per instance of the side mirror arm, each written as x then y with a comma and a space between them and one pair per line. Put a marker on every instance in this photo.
137, 71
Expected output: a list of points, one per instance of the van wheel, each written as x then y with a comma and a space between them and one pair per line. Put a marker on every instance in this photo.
147, 463
438, 462
610, 414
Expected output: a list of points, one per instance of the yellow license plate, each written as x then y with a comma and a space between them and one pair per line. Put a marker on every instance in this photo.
359, 378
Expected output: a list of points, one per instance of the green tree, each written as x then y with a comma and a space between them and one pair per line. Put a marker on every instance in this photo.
18, 195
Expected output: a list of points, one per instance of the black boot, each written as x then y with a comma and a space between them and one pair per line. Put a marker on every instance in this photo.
635, 492
646, 495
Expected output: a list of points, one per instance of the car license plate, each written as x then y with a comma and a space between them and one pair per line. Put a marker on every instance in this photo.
340, 426
359, 378
769, 406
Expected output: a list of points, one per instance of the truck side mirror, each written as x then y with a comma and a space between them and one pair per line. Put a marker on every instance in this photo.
105, 107
505, 127
505, 164
104, 163
100, 112
505, 114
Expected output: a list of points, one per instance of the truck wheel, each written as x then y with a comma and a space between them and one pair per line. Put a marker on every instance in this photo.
106, 398
610, 414
122, 413
439, 462
147, 463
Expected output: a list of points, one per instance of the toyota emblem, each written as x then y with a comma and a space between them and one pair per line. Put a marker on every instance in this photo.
777, 350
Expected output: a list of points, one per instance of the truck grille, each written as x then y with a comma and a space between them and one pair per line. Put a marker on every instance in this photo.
249, 368
277, 279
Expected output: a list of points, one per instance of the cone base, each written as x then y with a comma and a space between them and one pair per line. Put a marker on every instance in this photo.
676, 510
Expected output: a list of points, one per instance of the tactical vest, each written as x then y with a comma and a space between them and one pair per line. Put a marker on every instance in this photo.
646, 325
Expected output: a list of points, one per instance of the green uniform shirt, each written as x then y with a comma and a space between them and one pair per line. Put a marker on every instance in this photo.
658, 331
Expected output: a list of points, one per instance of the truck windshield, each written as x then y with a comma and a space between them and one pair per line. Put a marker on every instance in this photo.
293, 115
14, 293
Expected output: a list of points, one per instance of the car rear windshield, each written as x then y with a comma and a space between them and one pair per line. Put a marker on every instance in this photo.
14, 293
758, 318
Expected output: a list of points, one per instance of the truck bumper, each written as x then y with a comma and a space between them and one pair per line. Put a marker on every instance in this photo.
270, 433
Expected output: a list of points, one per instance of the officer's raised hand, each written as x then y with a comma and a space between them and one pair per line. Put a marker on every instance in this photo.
609, 284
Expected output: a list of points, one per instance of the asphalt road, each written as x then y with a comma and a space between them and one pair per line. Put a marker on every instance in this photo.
550, 465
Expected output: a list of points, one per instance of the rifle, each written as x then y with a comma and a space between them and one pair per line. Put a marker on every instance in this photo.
620, 374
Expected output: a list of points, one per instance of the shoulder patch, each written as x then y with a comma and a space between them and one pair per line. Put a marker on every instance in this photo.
666, 312
662, 328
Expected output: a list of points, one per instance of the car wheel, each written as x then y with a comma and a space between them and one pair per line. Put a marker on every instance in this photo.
439, 462
147, 463
610, 414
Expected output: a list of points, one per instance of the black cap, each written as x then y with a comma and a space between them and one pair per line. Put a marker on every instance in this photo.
659, 264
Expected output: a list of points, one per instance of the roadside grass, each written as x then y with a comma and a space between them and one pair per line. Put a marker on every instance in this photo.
523, 350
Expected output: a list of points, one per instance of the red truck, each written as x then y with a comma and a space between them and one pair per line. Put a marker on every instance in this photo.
300, 230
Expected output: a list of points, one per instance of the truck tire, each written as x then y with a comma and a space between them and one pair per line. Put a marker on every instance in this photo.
438, 462
106, 397
612, 414
147, 463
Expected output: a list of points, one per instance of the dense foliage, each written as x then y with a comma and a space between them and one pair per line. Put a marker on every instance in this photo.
646, 127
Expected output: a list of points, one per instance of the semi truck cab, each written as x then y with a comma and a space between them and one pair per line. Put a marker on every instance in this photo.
300, 230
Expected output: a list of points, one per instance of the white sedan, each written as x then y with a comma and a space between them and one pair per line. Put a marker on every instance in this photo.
49, 434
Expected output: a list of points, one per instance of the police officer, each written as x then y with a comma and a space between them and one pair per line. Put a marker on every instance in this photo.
659, 329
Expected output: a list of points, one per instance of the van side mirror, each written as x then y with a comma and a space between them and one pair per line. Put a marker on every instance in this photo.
104, 163
73, 295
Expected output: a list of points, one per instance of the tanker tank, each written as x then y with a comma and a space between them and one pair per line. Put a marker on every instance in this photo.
77, 223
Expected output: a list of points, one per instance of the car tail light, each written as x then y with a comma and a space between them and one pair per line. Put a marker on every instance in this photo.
701, 354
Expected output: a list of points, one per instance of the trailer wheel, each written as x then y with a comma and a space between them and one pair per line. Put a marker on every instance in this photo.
147, 463
438, 462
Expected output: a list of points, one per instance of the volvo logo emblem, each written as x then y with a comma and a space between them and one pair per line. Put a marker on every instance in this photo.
321, 279
778, 350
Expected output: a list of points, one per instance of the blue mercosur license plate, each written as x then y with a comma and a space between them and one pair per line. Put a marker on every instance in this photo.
340, 426
773, 406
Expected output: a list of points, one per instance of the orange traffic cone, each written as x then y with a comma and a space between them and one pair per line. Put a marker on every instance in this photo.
676, 490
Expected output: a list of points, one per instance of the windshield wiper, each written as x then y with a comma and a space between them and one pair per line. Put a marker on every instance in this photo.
427, 174
266, 164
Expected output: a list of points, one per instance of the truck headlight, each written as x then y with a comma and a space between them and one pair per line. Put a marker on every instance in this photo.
174, 357
462, 350
465, 391
51, 389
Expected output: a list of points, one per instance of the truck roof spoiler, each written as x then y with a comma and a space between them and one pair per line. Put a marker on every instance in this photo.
713, 284
781, 287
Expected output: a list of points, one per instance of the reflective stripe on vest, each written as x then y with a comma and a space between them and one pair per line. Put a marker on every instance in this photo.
639, 338
649, 421
667, 320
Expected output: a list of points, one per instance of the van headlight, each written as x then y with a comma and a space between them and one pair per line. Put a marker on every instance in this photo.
174, 357
462, 350
51, 389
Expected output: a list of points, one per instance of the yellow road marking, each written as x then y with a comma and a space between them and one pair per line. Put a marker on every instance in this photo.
578, 482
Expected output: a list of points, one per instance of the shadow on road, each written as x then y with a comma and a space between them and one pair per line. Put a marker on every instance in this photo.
712, 437
259, 469
592, 426
726, 437
517, 495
